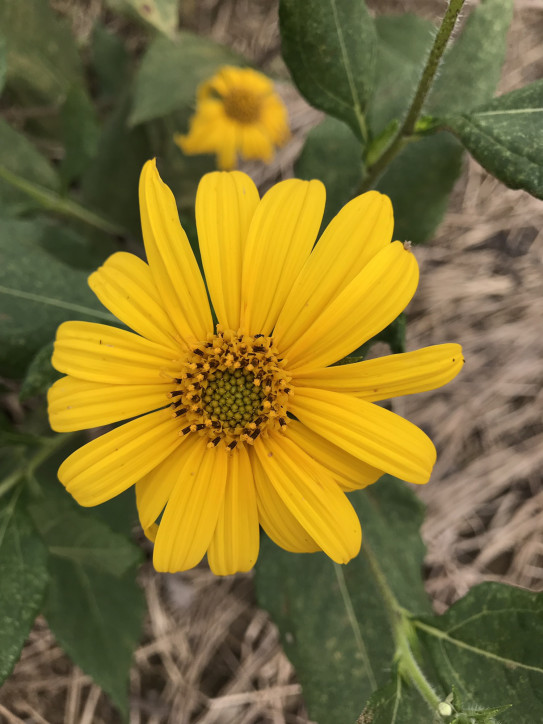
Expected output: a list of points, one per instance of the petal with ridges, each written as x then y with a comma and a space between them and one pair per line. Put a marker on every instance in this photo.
349, 472
193, 508
171, 260
75, 404
359, 231
100, 353
369, 432
390, 376
372, 300
125, 286
111, 463
276, 519
235, 543
312, 496
283, 230
225, 204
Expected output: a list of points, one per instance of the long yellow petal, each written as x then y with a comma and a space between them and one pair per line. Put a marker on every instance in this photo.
312, 496
225, 204
376, 436
275, 518
235, 543
349, 472
125, 286
171, 260
191, 514
75, 404
106, 466
99, 353
390, 376
359, 231
282, 232
373, 299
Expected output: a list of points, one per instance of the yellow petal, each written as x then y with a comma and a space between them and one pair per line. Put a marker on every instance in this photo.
235, 543
349, 472
171, 260
154, 490
359, 231
99, 353
125, 286
193, 508
391, 376
75, 404
372, 300
110, 464
255, 143
312, 496
275, 517
225, 204
282, 232
369, 432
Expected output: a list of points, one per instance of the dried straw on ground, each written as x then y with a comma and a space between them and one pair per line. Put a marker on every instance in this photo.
209, 655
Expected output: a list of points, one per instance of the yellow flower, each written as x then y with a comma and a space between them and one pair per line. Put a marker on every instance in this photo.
245, 422
237, 111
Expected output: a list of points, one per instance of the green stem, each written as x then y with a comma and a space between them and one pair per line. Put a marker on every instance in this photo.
402, 629
56, 203
406, 130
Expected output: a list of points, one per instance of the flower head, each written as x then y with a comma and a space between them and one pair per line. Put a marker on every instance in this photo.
245, 423
237, 111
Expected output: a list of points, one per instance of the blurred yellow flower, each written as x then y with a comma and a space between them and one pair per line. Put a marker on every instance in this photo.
237, 111
245, 423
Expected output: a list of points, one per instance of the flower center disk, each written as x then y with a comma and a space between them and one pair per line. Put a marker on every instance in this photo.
232, 387
242, 105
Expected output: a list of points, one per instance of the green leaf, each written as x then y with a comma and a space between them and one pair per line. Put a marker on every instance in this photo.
396, 703
332, 154
80, 133
504, 136
171, 71
403, 44
110, 61
161, 14
97, 619
419, 181
43, 61
3, 62
332, 620
471, 68
38, 293
22, 158
329, 47
40, 374
23, 573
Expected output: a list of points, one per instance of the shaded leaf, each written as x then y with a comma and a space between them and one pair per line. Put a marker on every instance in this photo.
471, 67
38, 293
161, 14
80, 133
171, 71
3, 62
40, 374
23, 573
332, 154
110, 61
43, 60
329, 47
504, 136
332, 620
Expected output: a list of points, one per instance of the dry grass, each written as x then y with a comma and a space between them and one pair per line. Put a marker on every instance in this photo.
209, 655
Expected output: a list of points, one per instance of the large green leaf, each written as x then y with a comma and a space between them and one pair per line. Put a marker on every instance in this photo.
332, 154
80, 133
3, 62
505, 137
403, 43
38, 292
23, 576
97, 619
419, 181
329, 47
161, 14
22, 158
43, 61
40, 374
332, 619
110, 61
171, 71
471, 68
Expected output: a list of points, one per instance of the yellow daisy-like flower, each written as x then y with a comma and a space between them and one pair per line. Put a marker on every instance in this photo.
237, 111
245, 423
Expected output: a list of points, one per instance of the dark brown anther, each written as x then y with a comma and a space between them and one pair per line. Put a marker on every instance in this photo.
282, 421
213, 363
185, 430
176, 393
258, 335
178, 413
199, 427
198, 352
232, 445
216, 441
255, 433
199, 411
286, 390
179, 402
259, 348
215, 424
